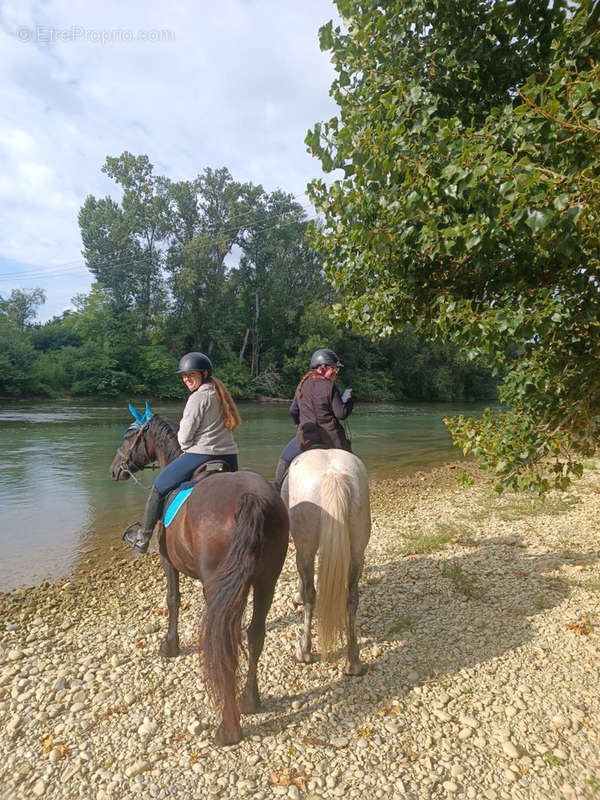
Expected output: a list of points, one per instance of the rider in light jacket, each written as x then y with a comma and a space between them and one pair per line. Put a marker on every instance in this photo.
205, 433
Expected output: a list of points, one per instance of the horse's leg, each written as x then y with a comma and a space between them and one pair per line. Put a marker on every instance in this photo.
170, 644
297, 598
263, 597
306, 569
354, 666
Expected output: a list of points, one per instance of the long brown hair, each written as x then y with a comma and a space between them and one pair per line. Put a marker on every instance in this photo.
231, 416
303, 378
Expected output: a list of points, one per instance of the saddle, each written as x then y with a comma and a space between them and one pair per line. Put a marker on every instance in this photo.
177, 497
208, 468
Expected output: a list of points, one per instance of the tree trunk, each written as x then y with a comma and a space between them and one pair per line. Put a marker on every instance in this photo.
244, 345
256, 337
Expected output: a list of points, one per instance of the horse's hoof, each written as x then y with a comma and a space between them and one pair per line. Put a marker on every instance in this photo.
357, 668
224, 737
302, 657
169, 649
297, 599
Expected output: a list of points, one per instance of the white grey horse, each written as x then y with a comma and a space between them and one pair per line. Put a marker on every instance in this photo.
327, 495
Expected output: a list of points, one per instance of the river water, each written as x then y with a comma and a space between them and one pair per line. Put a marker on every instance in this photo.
59, 507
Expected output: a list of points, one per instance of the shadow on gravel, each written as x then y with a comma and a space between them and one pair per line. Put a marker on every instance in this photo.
443, 615
449, 614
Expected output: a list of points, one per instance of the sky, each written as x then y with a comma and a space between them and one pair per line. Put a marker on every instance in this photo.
233, 84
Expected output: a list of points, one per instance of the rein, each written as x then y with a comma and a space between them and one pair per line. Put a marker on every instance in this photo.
124, 465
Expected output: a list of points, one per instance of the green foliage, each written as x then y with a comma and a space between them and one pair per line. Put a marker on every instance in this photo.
462, 581
220, 266
55, 335
53, 371
155, 370
20, 307
16, 360
469, 136
96, 373
236, 377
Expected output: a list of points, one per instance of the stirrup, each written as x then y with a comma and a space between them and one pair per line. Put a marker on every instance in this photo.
134, 537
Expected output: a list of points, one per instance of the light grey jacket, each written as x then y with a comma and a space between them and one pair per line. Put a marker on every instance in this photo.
201, 429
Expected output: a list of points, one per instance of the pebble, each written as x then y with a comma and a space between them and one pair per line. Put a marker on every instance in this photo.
339, 741
510, 749
137, 768
15, 655
95, 714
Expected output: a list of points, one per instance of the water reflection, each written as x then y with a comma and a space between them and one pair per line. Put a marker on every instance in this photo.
60, 507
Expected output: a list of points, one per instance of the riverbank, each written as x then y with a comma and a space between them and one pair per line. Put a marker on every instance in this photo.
479, 620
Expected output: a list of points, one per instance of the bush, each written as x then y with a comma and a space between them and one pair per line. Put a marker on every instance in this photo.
236, 378
156, 373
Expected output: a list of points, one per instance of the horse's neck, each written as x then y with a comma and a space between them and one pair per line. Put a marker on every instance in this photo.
166, 447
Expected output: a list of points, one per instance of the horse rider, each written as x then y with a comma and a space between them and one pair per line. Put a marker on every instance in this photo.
205, 433
317, 409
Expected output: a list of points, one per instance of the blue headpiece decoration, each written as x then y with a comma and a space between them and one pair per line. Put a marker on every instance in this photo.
143, 420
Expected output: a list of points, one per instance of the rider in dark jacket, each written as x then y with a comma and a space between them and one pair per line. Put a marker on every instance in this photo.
317, 409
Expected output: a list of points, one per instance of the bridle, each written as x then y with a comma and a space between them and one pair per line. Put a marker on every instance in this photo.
129, 466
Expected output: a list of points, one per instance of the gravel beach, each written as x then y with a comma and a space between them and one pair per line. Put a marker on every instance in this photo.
479, 619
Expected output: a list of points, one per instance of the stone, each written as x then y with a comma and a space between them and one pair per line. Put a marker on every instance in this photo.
137, 768
15, 655
510, 749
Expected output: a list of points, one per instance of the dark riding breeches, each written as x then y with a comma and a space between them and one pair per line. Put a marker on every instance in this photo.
182, 468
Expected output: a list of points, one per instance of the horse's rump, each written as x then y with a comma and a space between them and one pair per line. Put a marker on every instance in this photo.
328, 500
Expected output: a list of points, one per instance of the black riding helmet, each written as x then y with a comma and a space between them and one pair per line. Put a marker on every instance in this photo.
195, 362
324, 358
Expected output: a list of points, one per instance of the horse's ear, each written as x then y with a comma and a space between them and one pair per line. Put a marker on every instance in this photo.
136, 414
148, 414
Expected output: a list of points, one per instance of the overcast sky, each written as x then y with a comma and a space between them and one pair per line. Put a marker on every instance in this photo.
198, 84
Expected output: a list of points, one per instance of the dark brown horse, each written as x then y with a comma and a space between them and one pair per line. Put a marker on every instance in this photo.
232, 534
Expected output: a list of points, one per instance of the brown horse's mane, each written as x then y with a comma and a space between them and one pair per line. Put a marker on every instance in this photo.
164, 434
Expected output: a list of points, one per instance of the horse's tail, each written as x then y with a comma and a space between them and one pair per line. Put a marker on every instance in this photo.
334, 560
226, 595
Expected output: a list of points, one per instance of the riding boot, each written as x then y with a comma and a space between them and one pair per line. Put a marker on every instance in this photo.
280, 473
139, 534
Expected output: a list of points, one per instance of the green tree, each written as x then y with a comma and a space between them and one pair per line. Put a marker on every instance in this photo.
123, 243
17, 360
470, 205
278, 274
21, 306
205, 220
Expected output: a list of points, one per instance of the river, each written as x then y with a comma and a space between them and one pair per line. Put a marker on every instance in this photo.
61, 509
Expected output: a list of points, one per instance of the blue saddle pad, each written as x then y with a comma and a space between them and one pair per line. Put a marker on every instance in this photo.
182, 495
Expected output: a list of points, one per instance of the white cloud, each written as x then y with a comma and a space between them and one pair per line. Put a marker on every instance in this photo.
233, 84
